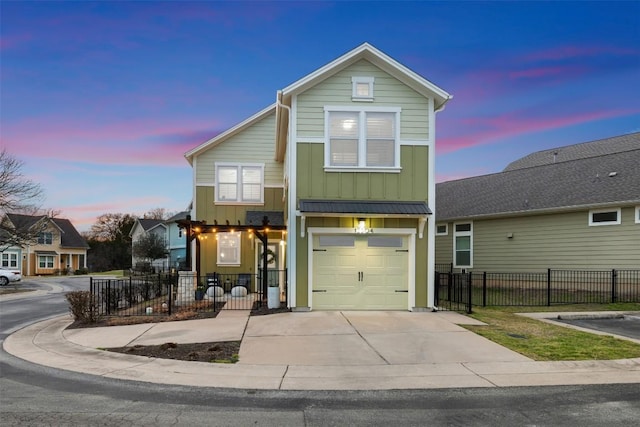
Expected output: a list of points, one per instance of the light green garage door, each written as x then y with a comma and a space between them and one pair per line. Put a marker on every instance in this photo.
352, 272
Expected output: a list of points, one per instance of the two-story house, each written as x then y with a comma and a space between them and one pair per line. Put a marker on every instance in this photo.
344, 159
59, 248
169, 232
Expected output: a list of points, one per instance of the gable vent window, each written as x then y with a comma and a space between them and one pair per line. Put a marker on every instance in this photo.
362, 88
604, 217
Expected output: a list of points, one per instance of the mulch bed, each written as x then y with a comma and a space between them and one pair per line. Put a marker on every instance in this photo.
214, 352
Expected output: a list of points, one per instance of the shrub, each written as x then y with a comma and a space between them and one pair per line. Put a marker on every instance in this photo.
83, 306
81, 271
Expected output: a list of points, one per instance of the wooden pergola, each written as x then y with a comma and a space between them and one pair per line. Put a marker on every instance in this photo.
192, 230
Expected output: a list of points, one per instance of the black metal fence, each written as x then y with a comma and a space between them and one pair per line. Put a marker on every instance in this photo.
461, 291
165, 294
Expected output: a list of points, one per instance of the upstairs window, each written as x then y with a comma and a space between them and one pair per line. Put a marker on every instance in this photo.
45, 238
362, 88
362, 139
239, 183
604, 217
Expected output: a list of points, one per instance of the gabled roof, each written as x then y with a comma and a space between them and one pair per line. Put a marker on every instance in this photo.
218, 139
70, 238
149, 224
583, 150
605, 180
179, 215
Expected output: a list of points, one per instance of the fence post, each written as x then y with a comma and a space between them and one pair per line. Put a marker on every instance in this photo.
469, 294
169, 302
548, 287
484, 289
614, 280
436, 285
108, 297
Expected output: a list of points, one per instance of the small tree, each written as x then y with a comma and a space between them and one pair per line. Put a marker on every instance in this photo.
150, 246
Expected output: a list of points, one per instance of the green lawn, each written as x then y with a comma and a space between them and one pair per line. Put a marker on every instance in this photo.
542, 341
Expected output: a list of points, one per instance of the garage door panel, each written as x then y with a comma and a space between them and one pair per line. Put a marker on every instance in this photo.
370, 272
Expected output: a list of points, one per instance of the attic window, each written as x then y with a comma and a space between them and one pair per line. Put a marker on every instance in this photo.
362, 88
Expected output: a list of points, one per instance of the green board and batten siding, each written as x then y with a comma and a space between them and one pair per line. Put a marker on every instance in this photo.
410, 184
562, 240
255, 144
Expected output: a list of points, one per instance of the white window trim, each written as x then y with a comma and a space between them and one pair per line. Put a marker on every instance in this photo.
239, 166
9, 254
637, 212
446, 230
462, 234
238, 237
597, 224
355, 80
53, 261
362, 138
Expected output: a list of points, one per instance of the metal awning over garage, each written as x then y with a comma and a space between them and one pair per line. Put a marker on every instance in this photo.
364, 207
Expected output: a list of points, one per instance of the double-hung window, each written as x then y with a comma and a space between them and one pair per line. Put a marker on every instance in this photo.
463, 245
45, 261
239, 183
362, 138
9, 260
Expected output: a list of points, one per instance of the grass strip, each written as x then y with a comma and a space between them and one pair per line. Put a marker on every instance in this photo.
545, 342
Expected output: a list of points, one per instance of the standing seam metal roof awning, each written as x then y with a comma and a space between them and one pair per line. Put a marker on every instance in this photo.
363, 207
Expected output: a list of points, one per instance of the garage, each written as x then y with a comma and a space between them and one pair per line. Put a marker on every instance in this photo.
360, 272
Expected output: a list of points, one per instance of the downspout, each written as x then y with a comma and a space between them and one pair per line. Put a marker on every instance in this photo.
290, 248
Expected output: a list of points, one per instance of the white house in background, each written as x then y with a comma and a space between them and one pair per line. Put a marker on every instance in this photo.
169, 231
146, 226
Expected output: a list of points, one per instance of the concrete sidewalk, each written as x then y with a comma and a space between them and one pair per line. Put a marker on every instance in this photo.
312, 351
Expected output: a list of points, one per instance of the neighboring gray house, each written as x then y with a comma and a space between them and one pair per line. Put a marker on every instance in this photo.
144, 226
574, 207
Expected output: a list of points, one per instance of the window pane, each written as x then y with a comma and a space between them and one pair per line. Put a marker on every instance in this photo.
380, 125
228, 248
228, 175
380, 152
343, 124
344, 152
605, 216
251, 175
251, 192
385, 242
463, 258
463, 243
348, 241
463, 227
362, 89
441, 229
227, 192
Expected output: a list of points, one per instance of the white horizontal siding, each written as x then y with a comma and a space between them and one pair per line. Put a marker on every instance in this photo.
255, 144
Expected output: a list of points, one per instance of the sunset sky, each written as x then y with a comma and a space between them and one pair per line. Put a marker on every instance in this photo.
102, 99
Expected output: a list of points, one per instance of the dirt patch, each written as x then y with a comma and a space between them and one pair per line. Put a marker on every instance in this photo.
212, 352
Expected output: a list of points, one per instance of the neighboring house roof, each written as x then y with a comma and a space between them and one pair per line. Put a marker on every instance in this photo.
179, 215
146, 225
589, 182
584, 150
256, 217
69, 236
363, 207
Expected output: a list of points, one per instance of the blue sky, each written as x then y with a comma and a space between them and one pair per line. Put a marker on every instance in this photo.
102, 99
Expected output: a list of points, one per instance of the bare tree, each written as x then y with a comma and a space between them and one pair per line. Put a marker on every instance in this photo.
157, 213
149, 247
20, 196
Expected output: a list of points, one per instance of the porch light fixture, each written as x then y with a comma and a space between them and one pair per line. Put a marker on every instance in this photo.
361, 228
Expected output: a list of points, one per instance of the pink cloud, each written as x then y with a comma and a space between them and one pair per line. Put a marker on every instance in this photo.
489, 130
14, 41
136, 142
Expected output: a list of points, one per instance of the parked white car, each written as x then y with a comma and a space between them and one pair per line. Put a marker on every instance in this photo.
9, 275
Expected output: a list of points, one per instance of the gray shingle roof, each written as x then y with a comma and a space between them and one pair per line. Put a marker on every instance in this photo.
364, 207
583, 182
148, 224
584, 150
70, 238
256, 217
